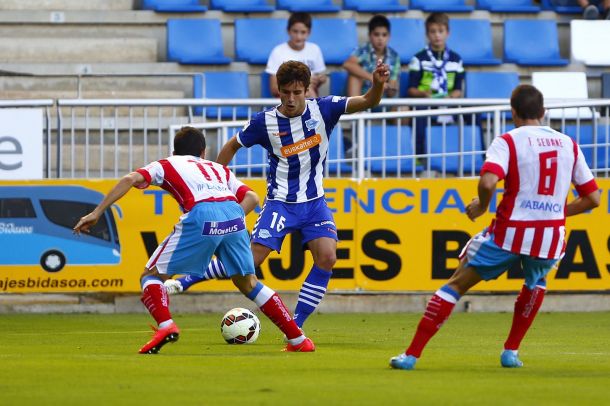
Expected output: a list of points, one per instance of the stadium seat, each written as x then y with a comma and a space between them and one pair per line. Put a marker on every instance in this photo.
241, 6
411, 28
403, 86
255, 157
479, 52
606, 85
387, 145
584, 138
562, 6
451, 143
490, 85
588, 42
256, 37
195, 41
337, 37
374, 6
265, 88
564, 85
309, 6
222, 85
508, 6
532, 43
173, 6
336, 151
338, 83
449, 6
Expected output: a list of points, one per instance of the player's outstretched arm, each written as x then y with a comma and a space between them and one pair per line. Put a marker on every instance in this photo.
228, 151
487, 187
118, 191
583, 203
370, 99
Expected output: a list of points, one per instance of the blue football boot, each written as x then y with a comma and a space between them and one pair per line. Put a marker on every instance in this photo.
403, 361
510, 359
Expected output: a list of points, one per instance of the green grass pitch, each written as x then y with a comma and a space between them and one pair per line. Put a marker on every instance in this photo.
93, 360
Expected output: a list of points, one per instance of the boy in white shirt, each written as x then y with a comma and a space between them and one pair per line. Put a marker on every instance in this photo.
298, 49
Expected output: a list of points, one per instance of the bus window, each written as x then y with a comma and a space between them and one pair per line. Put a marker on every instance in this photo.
16, 208
67, 213
115, 231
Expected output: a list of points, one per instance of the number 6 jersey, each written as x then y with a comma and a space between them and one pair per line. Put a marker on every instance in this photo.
538, 165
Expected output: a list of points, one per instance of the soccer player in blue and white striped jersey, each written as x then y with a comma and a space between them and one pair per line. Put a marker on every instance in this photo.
296, 136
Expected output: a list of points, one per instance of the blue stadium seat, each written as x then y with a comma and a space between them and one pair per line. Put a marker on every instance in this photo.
606, 85
195, 41
452, 144
374, 6
391, 148
403, 86
337, 37
336, 150
584, 137
255, 155
532, 43
309, 6
242, 6
338, 83
265, 88
256, 37
508, 6
449, 6
173, 6
490, 85
222, 85
407, 28
479, 52
562, 6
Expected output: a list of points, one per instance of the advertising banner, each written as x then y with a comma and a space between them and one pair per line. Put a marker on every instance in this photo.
21, 144
395, 235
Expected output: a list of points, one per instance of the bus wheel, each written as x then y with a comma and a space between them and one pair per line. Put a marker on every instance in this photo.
52, 261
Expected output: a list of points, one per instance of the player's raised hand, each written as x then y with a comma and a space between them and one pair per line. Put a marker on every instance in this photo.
85, 223
381, 74
474, 209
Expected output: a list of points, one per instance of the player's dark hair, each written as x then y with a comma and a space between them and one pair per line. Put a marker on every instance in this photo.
528, 102
293, 71
437, 18
189, 141
299, 17
378, 21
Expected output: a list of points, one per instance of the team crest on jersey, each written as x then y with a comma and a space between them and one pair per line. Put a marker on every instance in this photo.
264, 233
311, 124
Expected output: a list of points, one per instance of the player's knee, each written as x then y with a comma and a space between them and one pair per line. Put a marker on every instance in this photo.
152, 272
245, 284
326, 261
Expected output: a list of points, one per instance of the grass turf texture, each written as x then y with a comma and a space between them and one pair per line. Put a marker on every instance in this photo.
92, 359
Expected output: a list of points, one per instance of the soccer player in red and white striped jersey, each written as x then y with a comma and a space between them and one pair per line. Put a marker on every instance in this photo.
213, 201
538, 166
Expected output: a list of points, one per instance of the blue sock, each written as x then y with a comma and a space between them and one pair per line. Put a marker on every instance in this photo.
311, 294
215, 270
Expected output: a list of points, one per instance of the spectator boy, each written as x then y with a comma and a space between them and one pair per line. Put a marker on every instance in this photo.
436, 71
298, 49
362, 62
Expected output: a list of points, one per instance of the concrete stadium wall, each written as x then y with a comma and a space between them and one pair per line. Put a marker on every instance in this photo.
333, 303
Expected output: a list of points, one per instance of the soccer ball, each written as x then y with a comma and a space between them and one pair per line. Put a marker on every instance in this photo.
240, 326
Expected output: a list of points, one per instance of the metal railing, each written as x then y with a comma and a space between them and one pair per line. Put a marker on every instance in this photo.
105, 137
